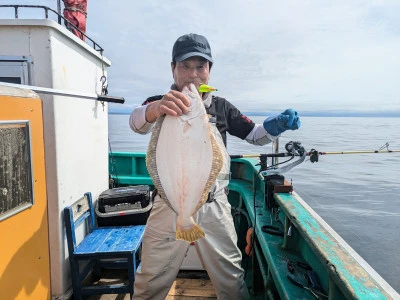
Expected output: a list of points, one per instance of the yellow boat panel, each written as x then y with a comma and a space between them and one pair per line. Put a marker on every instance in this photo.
24, 252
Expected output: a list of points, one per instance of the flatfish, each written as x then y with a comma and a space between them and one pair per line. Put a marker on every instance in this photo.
184, 160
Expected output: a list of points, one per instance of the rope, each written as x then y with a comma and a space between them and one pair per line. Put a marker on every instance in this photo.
71, 8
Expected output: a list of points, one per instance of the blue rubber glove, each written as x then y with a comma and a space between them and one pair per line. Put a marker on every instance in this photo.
277, 124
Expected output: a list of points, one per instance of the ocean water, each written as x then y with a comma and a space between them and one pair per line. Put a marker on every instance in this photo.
358, 195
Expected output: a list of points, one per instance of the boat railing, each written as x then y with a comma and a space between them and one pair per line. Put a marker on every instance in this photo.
46, 9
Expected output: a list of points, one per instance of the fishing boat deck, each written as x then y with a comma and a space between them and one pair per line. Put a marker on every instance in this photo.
187, 286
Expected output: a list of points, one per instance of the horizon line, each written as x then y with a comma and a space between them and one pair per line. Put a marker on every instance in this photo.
317, 113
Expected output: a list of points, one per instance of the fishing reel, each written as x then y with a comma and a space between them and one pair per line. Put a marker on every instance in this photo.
313, 155
292, 148
295, 148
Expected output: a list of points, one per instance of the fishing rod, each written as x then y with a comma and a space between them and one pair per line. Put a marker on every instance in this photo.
314, 154
43, 90
294, 149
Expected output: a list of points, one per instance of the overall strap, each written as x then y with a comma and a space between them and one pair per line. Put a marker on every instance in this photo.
220, 121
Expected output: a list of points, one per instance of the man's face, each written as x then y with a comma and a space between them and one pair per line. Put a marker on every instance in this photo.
194, 70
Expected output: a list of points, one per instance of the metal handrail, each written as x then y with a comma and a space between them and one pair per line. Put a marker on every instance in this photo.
96, 46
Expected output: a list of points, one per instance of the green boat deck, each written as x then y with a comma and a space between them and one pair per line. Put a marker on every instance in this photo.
304, 237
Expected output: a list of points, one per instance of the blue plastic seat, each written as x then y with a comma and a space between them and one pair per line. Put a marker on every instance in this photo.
120, 244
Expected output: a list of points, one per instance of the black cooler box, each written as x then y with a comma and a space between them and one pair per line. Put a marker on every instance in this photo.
124, 206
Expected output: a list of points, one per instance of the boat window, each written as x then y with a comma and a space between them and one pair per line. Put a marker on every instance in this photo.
16, 69
15, 80
16, 185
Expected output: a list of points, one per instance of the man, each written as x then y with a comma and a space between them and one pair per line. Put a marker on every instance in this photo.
162, 254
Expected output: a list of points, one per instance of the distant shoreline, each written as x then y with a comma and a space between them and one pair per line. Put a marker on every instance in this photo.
392, 114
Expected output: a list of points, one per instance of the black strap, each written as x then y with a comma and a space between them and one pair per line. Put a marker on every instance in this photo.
211, 195
272, 230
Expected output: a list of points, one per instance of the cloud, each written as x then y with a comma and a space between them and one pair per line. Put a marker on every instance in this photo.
268, 55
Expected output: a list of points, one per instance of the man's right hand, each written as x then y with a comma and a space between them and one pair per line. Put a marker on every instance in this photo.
173, 103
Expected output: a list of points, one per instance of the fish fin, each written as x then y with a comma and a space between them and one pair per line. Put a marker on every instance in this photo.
217, 163
190, 235
151, 160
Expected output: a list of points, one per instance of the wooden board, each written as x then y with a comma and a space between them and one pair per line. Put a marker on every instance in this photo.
184, 288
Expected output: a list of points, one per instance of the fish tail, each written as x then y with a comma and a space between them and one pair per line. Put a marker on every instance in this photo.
189, 234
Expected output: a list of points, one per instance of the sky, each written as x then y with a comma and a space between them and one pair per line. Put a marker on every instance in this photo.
268, 55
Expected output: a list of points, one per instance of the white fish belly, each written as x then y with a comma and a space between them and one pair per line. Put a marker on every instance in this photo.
184, 161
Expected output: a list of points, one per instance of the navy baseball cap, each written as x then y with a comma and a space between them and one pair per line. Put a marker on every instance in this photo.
189, 45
